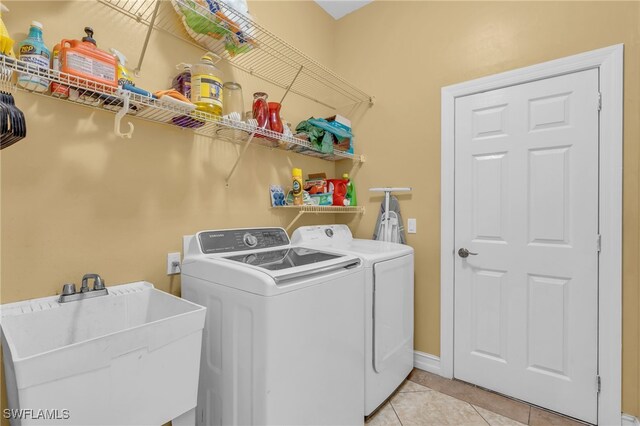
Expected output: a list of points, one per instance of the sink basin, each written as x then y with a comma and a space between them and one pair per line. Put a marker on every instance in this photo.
130, 357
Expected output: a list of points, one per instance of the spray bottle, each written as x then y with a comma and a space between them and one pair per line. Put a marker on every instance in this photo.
297, 187
124, 75
35, 52
350, 199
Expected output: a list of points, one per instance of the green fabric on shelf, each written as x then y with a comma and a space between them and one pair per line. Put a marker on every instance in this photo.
320, 140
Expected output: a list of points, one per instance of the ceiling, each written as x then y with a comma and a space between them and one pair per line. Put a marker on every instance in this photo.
340, 8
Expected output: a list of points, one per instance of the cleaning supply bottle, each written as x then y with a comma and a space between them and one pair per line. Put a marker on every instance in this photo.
33, 51
206, 85
297, 187
350, 199
82, 58
6, 42
339, 189
182, 81
57, 89
124, 75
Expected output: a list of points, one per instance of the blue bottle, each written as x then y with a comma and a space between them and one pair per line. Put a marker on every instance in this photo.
33, 51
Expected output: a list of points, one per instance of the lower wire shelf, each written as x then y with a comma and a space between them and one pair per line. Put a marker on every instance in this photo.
306, 209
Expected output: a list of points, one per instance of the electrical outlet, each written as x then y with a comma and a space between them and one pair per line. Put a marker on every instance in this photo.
173, 267
412, 226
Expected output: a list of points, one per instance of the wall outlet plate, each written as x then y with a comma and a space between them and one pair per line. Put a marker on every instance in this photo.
173, 268
412, 226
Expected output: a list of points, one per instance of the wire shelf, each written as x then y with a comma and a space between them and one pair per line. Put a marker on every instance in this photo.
324, 209
92, 94
305, 209
247, 46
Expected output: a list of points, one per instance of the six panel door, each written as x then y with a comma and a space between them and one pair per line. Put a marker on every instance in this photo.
526, 201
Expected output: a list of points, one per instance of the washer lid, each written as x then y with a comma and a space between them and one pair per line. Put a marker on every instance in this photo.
295, 263
290, 257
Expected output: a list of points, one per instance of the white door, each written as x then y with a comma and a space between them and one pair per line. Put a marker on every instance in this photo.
526, 201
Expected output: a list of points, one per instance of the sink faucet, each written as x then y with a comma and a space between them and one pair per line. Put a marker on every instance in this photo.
69, 293
98, 283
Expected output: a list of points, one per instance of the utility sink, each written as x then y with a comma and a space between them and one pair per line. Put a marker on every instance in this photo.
130, 357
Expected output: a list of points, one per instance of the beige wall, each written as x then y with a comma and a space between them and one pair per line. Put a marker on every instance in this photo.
74, 198
404, 52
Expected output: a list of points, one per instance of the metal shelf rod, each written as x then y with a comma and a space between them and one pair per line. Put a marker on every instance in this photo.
242, 152
146, 38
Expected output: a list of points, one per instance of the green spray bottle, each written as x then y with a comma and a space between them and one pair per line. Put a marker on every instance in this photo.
351, 191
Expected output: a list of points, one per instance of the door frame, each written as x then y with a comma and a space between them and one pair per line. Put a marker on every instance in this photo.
610, 63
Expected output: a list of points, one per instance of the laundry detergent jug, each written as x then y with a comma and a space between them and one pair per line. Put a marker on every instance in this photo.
339, 189
206, 85
83, 59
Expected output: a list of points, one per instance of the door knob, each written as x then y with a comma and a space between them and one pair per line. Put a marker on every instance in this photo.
464, 253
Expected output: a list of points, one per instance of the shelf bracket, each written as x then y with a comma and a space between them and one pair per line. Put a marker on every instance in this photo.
295, 219
355, 166
123, 111
146, 39
235, 165
291, 85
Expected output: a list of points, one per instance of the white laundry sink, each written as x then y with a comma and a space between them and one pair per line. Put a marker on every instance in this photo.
130, 357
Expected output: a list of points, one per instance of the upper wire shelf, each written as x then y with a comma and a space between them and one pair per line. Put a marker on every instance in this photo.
246, 45
100, 96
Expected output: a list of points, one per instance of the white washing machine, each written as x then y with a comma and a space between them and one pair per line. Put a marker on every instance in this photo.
388, 305
283, 337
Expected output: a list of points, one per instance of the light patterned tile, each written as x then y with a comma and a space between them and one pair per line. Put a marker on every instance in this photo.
434, 408
385, 416
409, 386
546, 418
496, 419
504, 406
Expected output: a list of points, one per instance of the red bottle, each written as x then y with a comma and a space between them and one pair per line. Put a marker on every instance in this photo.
261, 111
274, 117
339, 189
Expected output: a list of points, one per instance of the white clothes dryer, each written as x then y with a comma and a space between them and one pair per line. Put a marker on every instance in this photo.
388, 305
284, 331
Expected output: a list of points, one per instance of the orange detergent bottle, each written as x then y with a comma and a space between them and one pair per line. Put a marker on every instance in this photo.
83, 59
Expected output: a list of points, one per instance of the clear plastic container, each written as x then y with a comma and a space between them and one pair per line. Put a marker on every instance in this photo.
206, 85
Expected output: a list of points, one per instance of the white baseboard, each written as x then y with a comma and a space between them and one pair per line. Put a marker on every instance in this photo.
629, 420
426, 362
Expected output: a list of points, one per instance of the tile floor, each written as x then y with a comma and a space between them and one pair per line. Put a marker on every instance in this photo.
428, 399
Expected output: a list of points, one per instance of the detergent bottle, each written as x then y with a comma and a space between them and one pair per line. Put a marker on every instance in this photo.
206, 85
124, 75
57, 89
33, 51
350, 199
83, 59
339, 189
182, 81
297, 187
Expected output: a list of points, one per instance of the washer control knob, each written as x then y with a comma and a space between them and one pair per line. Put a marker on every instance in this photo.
250, 240
329, 232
